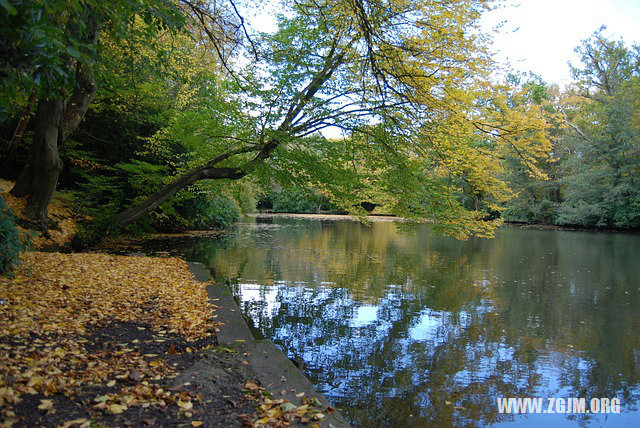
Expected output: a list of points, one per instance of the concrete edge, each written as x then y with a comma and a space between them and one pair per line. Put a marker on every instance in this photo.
275, 372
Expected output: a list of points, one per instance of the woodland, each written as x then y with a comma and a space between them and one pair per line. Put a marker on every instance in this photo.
177, 114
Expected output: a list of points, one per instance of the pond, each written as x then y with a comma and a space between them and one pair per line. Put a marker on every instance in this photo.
398, 326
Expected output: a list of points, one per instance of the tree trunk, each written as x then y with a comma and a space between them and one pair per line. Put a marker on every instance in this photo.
77, 106
55, 120
39, 176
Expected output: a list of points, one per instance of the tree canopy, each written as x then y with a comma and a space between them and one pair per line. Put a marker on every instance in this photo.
407, 83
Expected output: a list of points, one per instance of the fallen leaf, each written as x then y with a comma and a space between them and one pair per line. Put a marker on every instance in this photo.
116, 409
251, 386
288, 407
197, 423
76, 423
45, 404
185, 405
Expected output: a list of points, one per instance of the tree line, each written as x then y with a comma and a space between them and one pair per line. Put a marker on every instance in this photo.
594, 168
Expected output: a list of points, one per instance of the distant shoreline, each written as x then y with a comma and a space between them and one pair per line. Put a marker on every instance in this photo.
321, 216
391, 218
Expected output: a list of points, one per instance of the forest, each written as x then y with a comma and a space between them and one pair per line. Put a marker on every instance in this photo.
177, 115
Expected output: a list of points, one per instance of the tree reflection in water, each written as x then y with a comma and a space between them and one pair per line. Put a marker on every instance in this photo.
412, 329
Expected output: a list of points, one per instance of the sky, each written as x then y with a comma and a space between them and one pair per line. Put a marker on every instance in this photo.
540, 35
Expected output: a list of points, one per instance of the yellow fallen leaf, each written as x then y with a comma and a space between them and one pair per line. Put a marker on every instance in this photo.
287, 407
45, 404
76, 423
56, 299
196, 423
301, 394
116, 409
251, 386
185, 405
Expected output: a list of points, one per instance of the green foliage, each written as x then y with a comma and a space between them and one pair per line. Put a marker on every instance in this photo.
295, 200
594, 178
426, 132
530, 210
244, 193
222, 212
11, 241
43, 42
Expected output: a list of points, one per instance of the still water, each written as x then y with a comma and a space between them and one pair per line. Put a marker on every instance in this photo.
407, 328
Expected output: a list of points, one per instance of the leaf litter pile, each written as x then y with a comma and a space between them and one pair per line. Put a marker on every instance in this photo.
117, 341
62, 224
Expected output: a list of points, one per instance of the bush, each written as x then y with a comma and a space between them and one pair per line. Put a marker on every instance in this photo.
11, 243
295, 200
199, 211
224, 211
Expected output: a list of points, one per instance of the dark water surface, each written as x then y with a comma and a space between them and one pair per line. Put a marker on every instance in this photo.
407, 328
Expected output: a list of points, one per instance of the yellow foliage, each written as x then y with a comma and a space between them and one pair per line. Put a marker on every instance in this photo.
56, 298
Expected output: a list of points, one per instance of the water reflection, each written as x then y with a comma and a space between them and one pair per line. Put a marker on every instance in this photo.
412, 329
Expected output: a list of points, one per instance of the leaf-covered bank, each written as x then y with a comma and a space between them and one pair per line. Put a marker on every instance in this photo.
100, 338
63, 221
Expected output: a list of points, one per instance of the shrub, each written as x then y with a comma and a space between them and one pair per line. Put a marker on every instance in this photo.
224, 211
294, 200
11, 242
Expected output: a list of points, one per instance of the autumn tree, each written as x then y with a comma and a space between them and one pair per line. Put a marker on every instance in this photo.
593, 176
408, 83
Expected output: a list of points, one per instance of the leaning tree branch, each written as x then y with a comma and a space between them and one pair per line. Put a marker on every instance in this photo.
211, 170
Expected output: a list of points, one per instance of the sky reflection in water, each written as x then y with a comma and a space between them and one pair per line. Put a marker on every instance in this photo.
406, 328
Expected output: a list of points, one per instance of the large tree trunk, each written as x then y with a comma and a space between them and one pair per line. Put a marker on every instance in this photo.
55, 120
77, 106
39, 176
